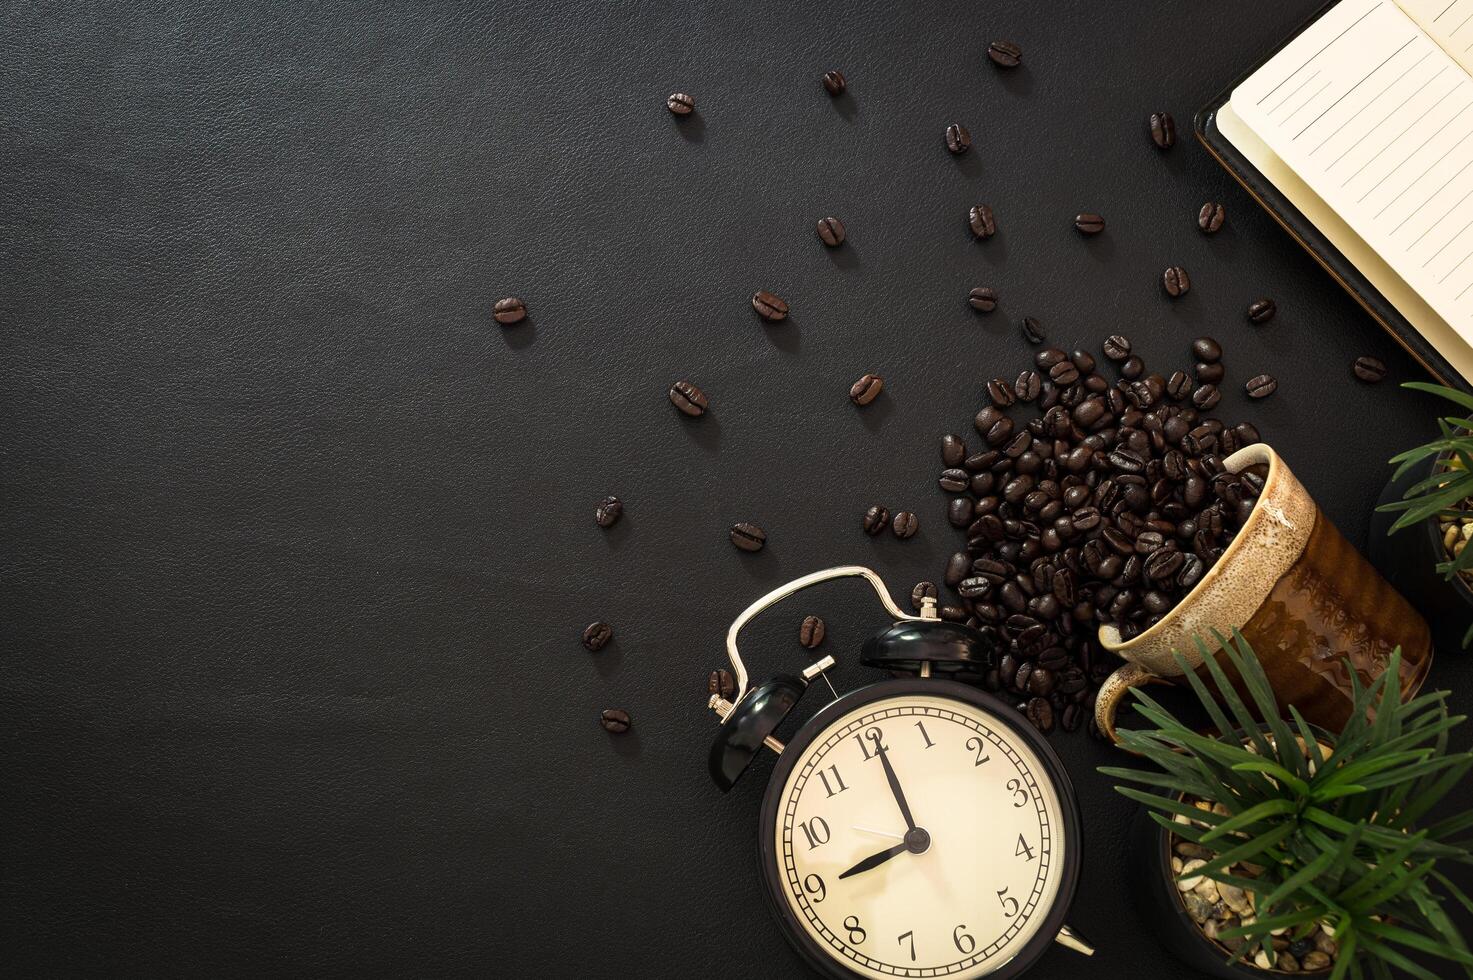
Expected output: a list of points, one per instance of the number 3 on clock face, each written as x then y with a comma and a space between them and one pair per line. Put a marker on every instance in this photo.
918, 835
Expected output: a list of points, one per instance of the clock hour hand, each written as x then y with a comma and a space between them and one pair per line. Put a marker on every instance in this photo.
875, 860
910, 823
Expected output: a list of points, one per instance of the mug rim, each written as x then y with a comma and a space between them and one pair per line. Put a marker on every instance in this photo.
1247, 457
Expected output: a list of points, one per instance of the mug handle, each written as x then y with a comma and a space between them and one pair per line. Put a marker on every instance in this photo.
1107, 702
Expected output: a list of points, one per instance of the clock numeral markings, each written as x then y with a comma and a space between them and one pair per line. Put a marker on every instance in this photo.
823, 774
965, 944
814, 886
1023, 849
871, 735
980, 747
922, 727
856, 934
900, 941
1009, 904
817, 832
1015, 786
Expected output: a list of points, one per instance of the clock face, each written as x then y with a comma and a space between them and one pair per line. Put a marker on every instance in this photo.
955, 889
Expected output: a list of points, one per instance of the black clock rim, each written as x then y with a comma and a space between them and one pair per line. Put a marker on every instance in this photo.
1007, 715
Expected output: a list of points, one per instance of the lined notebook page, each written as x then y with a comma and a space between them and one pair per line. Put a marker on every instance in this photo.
1378, 119
1449, 23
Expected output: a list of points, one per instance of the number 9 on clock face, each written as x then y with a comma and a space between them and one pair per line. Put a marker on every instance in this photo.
919, 829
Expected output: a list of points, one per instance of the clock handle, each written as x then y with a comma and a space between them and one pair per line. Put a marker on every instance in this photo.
796, 585
1068, 937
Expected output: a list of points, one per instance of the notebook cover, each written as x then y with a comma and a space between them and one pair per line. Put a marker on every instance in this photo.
1306, 234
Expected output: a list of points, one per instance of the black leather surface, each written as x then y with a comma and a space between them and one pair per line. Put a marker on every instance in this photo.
298, 544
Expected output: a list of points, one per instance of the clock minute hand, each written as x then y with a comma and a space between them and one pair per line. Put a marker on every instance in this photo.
875, 860
910, 823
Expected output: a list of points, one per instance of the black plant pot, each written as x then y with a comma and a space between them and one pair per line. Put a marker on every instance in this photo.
1160, 903
1409, 558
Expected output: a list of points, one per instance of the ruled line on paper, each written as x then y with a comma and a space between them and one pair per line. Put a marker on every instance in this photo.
1445, 215
1320, 52
1392, 142
1434, 194
1394, 82
1428, 169
1430, 137
1317, 93
1445, 245
1356, 85
1371, 129
1445, 10
1295, 90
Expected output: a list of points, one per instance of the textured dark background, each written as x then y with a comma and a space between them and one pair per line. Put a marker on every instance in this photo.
298, 543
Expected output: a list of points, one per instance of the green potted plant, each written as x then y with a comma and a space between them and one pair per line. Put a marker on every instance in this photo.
1431, 495
1279, 848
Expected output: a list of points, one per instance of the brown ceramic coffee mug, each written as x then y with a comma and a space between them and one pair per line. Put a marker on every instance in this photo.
1308, 603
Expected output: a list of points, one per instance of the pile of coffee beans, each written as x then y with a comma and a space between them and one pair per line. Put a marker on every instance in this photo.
1093, 502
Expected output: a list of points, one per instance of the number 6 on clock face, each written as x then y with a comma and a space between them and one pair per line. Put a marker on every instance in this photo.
913, 830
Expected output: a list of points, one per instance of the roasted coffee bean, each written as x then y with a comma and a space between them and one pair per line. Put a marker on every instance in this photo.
982, 221
876, 519
958, 567
1176, 281
1210, 218
1041, 714
953, 450
1262, 310
1026, 388
615, 720
955, 480
1209, 374
1206, 397
973, 587
1000, 392
608, 512
1368, 369
905, 524
1163, 130
831, 232
748, 536
834, 82
999, 432
1179, 385
1117, 347
1032, 330
922, 592
680, 104
1261, 386
1005, 54
983, 299
1072, 717
1064, 373
1206, 349
769, 307
959, 511
596, 636
1083, 360
688, 398
1132, 367
866, 389
1041, 681
1087, 223
811, 632
509, 310
958, 140
721, 684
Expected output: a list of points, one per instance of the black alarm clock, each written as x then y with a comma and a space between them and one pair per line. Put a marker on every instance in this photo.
917, 827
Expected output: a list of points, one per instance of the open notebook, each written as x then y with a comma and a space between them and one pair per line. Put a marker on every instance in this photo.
1364, 122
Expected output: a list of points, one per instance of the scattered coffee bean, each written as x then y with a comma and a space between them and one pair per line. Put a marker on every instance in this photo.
906, 524
953, 450
876, 519
1179, 385
680, 104
1005, 54
1261, 386
608, 511
831, 232
721, 684
866, 389
1028, 386
509, 310
1089, 224
1210, 374
1000, 392
1206, 349
616, 720
1040, 713
1210, 218
1206, 397
688, 398
1132, 367
1369, 369
834, 82
1117, 347
811, 632
922, 592
748, 536
983, 299
958, 140
1176, 281
1261, 310
1163, 130
596, 636
1032, 330
769, 306
982, 220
